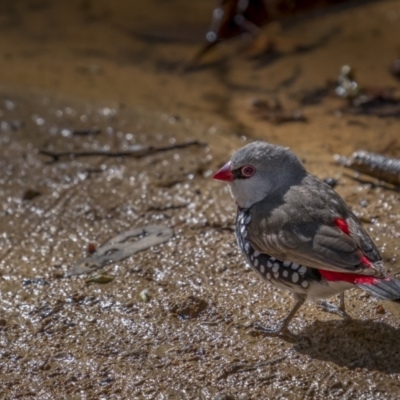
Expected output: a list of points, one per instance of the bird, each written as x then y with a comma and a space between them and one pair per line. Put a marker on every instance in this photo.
298, 234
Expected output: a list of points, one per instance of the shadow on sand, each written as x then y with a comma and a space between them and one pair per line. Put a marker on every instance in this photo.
357, 344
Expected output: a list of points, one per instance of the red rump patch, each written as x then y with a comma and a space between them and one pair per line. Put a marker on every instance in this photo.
342, 225
345, 277
351, 278
365, 261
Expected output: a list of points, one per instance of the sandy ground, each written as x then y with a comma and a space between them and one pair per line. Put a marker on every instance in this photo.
118, 67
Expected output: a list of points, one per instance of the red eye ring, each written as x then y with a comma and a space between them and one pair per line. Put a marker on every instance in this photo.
248, 171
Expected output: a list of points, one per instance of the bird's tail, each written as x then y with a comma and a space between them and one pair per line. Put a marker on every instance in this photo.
383, 289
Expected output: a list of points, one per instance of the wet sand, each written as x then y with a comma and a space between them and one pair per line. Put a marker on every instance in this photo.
119, 68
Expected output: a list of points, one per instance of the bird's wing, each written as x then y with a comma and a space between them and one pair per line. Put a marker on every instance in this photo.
362, 239
322, 246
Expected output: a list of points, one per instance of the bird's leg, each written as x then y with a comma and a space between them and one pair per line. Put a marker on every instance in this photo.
338, 310
282, 329
342, 306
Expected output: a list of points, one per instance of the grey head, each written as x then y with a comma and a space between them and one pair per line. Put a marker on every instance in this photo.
259, 169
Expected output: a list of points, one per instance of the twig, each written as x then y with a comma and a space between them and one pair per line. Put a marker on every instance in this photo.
143, 152
86, 132
166, 208
238, 368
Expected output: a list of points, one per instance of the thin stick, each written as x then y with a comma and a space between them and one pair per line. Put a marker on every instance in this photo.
238, 368
143, 152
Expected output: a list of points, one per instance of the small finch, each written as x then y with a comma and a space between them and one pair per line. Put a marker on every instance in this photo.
299, 234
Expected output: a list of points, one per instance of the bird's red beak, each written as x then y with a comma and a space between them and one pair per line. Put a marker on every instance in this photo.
225, 173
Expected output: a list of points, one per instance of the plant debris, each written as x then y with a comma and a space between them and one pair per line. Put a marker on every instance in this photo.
35, 281
238, 368
232, 18
378, 166
315, 96
378, 101
275, 113
365, 100
395, 68
101, 278
86, 132
141, 152
121, 247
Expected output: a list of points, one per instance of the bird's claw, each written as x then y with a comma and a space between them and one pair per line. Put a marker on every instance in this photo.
332, 309
281, 330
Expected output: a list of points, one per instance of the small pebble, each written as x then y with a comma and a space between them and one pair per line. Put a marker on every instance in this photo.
379, 309
91, 248
144, 295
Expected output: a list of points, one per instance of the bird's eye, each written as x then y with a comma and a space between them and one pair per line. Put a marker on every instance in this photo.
247, 171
